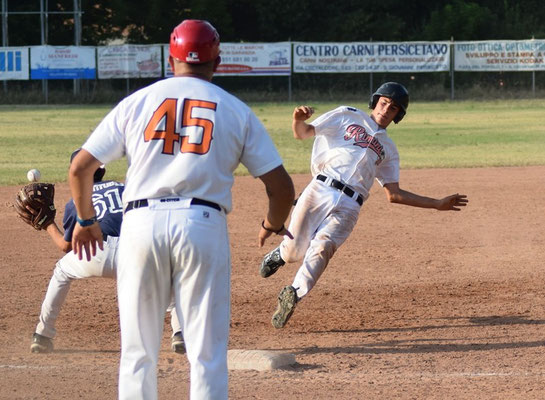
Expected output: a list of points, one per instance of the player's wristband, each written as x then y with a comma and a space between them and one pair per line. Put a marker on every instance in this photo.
86, 222
271, 230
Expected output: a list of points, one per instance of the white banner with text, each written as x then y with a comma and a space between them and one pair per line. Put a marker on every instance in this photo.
248, 59
371, 57
129, 61
62, 62
504, 55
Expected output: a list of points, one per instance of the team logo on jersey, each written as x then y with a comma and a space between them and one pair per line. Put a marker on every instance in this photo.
364, 140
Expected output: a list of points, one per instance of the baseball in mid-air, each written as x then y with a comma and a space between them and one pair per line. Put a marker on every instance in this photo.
33, 175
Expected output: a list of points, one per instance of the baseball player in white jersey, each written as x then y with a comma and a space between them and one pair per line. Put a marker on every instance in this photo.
183, 138
109, 211
351, 150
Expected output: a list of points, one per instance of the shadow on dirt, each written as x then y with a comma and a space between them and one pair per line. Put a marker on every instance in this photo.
417, 346
473, 322
438, 344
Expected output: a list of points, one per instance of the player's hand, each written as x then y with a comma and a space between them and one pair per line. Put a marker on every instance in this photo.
453, 202
302, 113
264, 234
87, 238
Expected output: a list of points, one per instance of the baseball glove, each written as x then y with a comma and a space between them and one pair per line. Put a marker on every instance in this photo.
35, 204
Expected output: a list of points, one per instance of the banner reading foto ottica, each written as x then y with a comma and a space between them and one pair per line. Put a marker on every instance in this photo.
505, 55
14, 63
371, 57
70, 62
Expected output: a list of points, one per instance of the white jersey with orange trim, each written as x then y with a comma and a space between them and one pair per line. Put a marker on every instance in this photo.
350, 147
183, 138
177, 134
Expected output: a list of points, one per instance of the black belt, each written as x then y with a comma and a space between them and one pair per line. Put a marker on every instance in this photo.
194, 202
342, 187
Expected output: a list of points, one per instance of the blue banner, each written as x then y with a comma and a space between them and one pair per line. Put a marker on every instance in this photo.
71, 62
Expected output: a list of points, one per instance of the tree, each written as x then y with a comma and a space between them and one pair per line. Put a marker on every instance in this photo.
463, 21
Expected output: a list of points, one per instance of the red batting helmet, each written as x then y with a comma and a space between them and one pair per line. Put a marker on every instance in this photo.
195, 42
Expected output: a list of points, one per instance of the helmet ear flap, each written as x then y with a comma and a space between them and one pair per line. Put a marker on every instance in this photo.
373, 101
99, 174
399, 116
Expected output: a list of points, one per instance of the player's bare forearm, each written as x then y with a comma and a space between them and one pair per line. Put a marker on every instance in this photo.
58, 238
80, 176
302, 130
281, 193
450, 203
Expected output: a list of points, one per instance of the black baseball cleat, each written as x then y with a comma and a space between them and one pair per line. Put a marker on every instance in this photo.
287, 299
177, 343
271, 262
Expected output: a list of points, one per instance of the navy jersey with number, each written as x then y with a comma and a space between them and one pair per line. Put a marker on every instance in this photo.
108, 208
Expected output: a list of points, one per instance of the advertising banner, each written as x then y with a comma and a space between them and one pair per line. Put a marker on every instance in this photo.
129, 61
166, 66
255, 59
69, 62
371, 57
249, 59
520, 55
14, 63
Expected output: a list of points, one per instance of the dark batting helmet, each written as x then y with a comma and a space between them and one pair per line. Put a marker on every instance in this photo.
99, 173
395, 91
195, 42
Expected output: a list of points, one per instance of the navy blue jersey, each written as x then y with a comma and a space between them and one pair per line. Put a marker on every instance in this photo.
108, 208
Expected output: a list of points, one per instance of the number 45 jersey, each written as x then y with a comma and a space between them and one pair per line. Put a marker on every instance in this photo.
108, 206
183, 136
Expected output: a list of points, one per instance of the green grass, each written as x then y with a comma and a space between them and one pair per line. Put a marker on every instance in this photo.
472, 134
445, 135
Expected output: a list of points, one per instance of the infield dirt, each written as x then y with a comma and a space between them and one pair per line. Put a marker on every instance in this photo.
417, 304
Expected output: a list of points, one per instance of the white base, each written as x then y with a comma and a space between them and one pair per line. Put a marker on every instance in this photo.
260, 360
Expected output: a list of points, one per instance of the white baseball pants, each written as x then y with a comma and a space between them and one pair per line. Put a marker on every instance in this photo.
320, 223
70, 267
166, 247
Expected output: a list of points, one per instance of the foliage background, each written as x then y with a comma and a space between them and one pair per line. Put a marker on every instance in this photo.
150, 22
279, 20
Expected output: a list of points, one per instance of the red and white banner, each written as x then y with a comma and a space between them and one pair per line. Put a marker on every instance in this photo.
249, 59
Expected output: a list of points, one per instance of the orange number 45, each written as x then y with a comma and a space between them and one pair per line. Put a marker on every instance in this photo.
162, 126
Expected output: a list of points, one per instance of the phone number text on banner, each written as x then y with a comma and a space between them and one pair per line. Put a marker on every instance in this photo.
70, 62
371, 57
520, 55
248, 59
255, 59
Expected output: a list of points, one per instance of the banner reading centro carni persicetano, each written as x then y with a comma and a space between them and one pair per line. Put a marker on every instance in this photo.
371, 57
